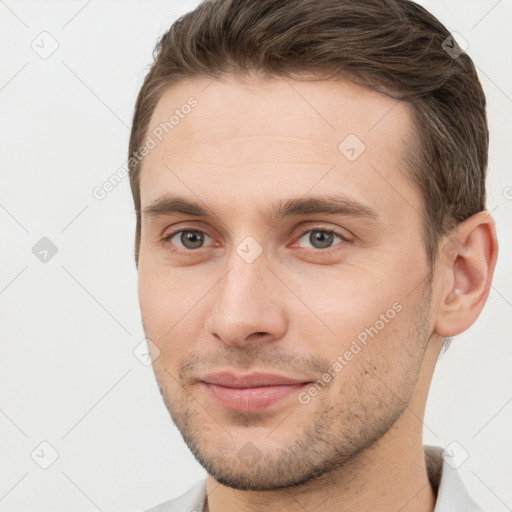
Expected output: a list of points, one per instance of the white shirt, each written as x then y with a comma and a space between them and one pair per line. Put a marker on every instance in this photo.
452, 496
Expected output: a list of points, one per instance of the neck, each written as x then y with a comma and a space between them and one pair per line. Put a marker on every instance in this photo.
385, 478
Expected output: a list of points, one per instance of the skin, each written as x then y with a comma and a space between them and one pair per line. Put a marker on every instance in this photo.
248, 144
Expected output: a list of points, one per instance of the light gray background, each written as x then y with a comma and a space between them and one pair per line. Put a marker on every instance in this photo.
69, 326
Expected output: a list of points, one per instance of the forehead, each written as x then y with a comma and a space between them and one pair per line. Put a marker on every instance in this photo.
268, 137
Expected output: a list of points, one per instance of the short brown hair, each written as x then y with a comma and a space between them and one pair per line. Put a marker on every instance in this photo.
395, 47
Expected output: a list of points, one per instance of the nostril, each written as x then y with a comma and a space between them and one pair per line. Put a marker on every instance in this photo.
257, 335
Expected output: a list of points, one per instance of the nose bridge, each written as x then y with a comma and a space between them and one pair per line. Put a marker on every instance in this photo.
244, 302
243, 288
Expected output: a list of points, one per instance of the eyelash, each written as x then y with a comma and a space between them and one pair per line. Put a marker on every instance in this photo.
344, 239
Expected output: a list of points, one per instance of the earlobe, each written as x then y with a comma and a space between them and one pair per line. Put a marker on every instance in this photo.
469, 267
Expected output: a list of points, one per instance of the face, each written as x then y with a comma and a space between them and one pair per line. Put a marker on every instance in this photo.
282, 273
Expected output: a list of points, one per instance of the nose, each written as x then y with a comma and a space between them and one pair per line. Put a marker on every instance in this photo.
248, 304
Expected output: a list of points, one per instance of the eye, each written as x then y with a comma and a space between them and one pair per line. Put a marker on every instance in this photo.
190, 239
322, 238
319, 238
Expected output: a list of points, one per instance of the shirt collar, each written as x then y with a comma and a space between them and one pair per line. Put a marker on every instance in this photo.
452, 495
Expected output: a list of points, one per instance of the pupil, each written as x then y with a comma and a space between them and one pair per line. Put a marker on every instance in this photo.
191, 239
320, 239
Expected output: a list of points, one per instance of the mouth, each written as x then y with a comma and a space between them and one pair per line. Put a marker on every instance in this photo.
250, 393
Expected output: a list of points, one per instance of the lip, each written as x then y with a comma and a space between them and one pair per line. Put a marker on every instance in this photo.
252, 380
250, 393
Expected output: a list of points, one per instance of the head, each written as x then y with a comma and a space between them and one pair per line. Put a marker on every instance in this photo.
310, 201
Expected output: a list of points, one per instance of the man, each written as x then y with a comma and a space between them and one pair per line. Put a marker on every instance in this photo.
309, 183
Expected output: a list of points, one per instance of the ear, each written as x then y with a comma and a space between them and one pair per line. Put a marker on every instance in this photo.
468, 257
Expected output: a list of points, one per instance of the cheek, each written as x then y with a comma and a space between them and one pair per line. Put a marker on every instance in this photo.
350, 300
374, 371
374, 324
170, 305
167, 294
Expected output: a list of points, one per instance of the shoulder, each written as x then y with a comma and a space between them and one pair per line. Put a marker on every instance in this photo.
191, 501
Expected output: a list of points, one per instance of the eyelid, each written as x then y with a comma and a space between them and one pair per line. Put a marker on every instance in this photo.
345, 234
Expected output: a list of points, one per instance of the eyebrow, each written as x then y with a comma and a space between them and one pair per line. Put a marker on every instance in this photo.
326, 204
